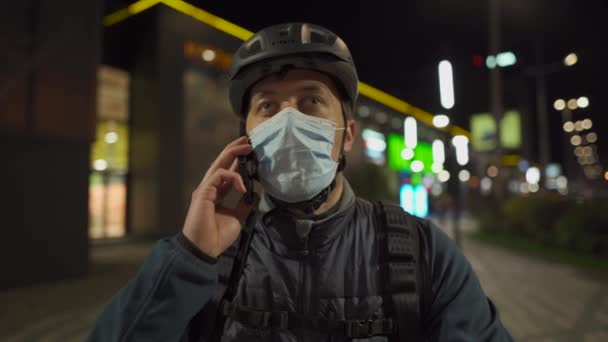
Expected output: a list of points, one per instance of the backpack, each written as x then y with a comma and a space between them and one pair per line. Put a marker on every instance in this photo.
404, 272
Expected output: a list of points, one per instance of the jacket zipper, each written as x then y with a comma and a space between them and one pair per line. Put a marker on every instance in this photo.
303, 262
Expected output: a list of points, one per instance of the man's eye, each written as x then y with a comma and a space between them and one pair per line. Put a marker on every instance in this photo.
265, 106
314, 100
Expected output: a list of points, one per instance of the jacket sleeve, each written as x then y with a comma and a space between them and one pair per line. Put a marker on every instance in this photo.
460, 310
175, 282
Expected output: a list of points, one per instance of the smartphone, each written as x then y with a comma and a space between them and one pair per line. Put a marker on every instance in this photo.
247, 167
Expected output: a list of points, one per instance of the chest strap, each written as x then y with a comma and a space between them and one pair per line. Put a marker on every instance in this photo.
286, 320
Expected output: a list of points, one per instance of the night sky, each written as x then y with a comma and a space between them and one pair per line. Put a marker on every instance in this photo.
398, 44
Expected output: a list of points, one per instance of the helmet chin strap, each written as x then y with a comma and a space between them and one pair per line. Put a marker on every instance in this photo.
313, 204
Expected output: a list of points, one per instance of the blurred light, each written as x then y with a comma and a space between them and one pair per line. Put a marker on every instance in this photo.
578, 151
381, 118
477, 60
581, 160
364, 111
523, 165
417, 166
571, 59
441, 121
406, 196
436, 189
396, 123
505, 59
524, 188
572, 104
436, 168
590, 172
410, 132
131, 10
446, 84
587, 151
474, 182
587, 124
491, 62
428, 181
568, 126
407, 154
462, 149
606, 175
533, 187
562, 182
582, 102
591, 137
464, 175
443, 176
533, 175
492, 171
576, 140
208, 55
486, 184
421, 202
438, 152
559, 104
553, 170
414, 199
111, 137
100, 165
578, 126
374, 141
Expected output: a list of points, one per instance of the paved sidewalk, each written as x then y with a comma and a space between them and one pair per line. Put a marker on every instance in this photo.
537, 300
65, 311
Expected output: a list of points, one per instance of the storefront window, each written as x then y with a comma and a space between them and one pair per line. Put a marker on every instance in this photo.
109, 157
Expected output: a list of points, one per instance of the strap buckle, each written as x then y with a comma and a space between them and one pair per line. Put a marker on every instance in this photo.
359, 329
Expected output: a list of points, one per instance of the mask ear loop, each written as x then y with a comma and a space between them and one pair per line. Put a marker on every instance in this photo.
342, 158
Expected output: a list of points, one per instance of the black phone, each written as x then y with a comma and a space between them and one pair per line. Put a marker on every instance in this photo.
247, 168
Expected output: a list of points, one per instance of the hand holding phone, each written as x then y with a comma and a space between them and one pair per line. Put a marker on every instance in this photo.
209, 225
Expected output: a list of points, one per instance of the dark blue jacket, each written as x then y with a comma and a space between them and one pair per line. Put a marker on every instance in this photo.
337, 279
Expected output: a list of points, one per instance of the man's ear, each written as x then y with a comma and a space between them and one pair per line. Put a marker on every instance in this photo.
350, 134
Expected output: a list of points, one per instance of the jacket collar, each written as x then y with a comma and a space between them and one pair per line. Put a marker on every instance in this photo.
298, 236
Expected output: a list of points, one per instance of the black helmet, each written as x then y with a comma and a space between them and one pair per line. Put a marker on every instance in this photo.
299, 45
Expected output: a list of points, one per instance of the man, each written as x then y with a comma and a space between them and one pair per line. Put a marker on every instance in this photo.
310, 262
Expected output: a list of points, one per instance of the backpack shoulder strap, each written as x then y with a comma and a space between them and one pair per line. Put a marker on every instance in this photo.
403, 269
232, 263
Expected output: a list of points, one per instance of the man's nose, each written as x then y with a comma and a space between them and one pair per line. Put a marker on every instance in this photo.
291, 102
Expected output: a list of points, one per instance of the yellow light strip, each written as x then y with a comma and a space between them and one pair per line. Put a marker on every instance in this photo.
395, 103
131, 10
209, 19
243, 34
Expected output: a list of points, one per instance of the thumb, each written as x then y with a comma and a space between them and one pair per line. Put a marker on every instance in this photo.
243, 209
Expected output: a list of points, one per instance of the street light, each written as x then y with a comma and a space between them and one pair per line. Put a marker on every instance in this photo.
539, 72
441, 121
571, 59
582, 102
559, 104
446, 84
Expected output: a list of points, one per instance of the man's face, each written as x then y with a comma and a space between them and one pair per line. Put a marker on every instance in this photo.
310, 92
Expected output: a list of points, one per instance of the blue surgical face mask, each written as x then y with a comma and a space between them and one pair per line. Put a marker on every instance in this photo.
294, 155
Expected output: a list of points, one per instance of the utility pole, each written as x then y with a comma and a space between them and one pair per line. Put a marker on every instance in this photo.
496, 97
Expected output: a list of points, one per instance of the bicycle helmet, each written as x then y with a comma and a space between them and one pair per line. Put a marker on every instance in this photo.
295, 45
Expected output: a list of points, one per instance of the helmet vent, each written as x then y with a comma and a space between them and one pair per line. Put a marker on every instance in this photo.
316, 37
254, 48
